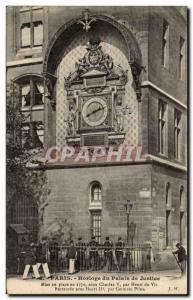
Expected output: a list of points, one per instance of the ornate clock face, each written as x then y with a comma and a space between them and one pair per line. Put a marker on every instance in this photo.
94, 111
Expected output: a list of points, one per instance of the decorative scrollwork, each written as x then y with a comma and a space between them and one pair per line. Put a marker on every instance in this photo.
96, 59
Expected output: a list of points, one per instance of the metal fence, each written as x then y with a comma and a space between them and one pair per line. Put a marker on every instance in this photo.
131, 259
135, 258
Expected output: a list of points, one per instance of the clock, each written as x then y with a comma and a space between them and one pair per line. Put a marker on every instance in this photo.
94, 111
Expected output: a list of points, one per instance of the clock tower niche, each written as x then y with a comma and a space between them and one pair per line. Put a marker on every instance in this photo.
95, 95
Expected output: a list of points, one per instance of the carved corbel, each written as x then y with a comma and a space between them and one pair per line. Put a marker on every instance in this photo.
136, 71
87, 20
50, 84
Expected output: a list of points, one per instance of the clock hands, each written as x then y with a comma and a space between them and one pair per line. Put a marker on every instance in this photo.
96, 110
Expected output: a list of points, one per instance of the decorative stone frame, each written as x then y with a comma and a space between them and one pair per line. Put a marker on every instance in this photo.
54, 52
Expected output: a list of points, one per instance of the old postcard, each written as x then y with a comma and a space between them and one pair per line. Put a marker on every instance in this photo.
97, 150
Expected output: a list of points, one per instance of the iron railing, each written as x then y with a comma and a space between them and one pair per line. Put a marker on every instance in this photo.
131, 259
135, 258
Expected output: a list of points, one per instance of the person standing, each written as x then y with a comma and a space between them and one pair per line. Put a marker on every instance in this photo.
30, 261
181, 256
93, 253
41, 254
81, 248
21, 256
53, 248
119, 252
108, 253
71, 255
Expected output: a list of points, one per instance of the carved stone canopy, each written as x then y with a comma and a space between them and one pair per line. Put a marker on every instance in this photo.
95, 63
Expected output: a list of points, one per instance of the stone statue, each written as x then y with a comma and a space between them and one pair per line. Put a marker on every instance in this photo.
72, 120
119, 113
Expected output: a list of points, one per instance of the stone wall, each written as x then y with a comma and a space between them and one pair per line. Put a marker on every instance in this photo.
69, 200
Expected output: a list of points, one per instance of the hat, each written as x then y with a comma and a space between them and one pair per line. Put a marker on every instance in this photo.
178, 244
107, 238
80, 238
93, 237
119, 238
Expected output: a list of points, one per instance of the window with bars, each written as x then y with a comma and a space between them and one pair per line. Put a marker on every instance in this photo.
182, 59
162, 127
31, 27
96, 192
177, 133
165, 44
96, 225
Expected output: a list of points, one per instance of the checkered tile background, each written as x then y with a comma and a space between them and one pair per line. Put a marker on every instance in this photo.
114, 46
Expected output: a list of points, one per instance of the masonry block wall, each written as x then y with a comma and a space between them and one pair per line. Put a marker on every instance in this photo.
69, 200
152, 116
167, 78
160, 178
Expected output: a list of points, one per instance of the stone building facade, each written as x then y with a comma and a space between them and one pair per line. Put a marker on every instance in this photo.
106, 76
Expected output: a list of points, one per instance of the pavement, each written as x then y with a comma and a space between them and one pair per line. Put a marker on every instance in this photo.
167, 274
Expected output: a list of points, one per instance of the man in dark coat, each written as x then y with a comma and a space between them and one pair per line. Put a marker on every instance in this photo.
41, 254
53, 248
93, 253
21, 256
119, 252
181, 255
81, 248
72, 256
30, 261
108, 253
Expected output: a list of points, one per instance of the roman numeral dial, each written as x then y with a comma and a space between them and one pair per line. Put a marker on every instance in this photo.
94, 111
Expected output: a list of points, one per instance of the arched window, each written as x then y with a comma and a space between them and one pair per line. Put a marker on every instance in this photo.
96, 192
95, 208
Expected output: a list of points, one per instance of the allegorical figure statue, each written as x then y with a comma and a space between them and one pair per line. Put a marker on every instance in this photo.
72, 120
119, 114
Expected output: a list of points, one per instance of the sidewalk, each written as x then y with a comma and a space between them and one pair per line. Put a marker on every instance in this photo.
168, 274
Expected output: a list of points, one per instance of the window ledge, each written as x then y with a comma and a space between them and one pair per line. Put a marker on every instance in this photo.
95, 206
25, 51
24, 61
35, 107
